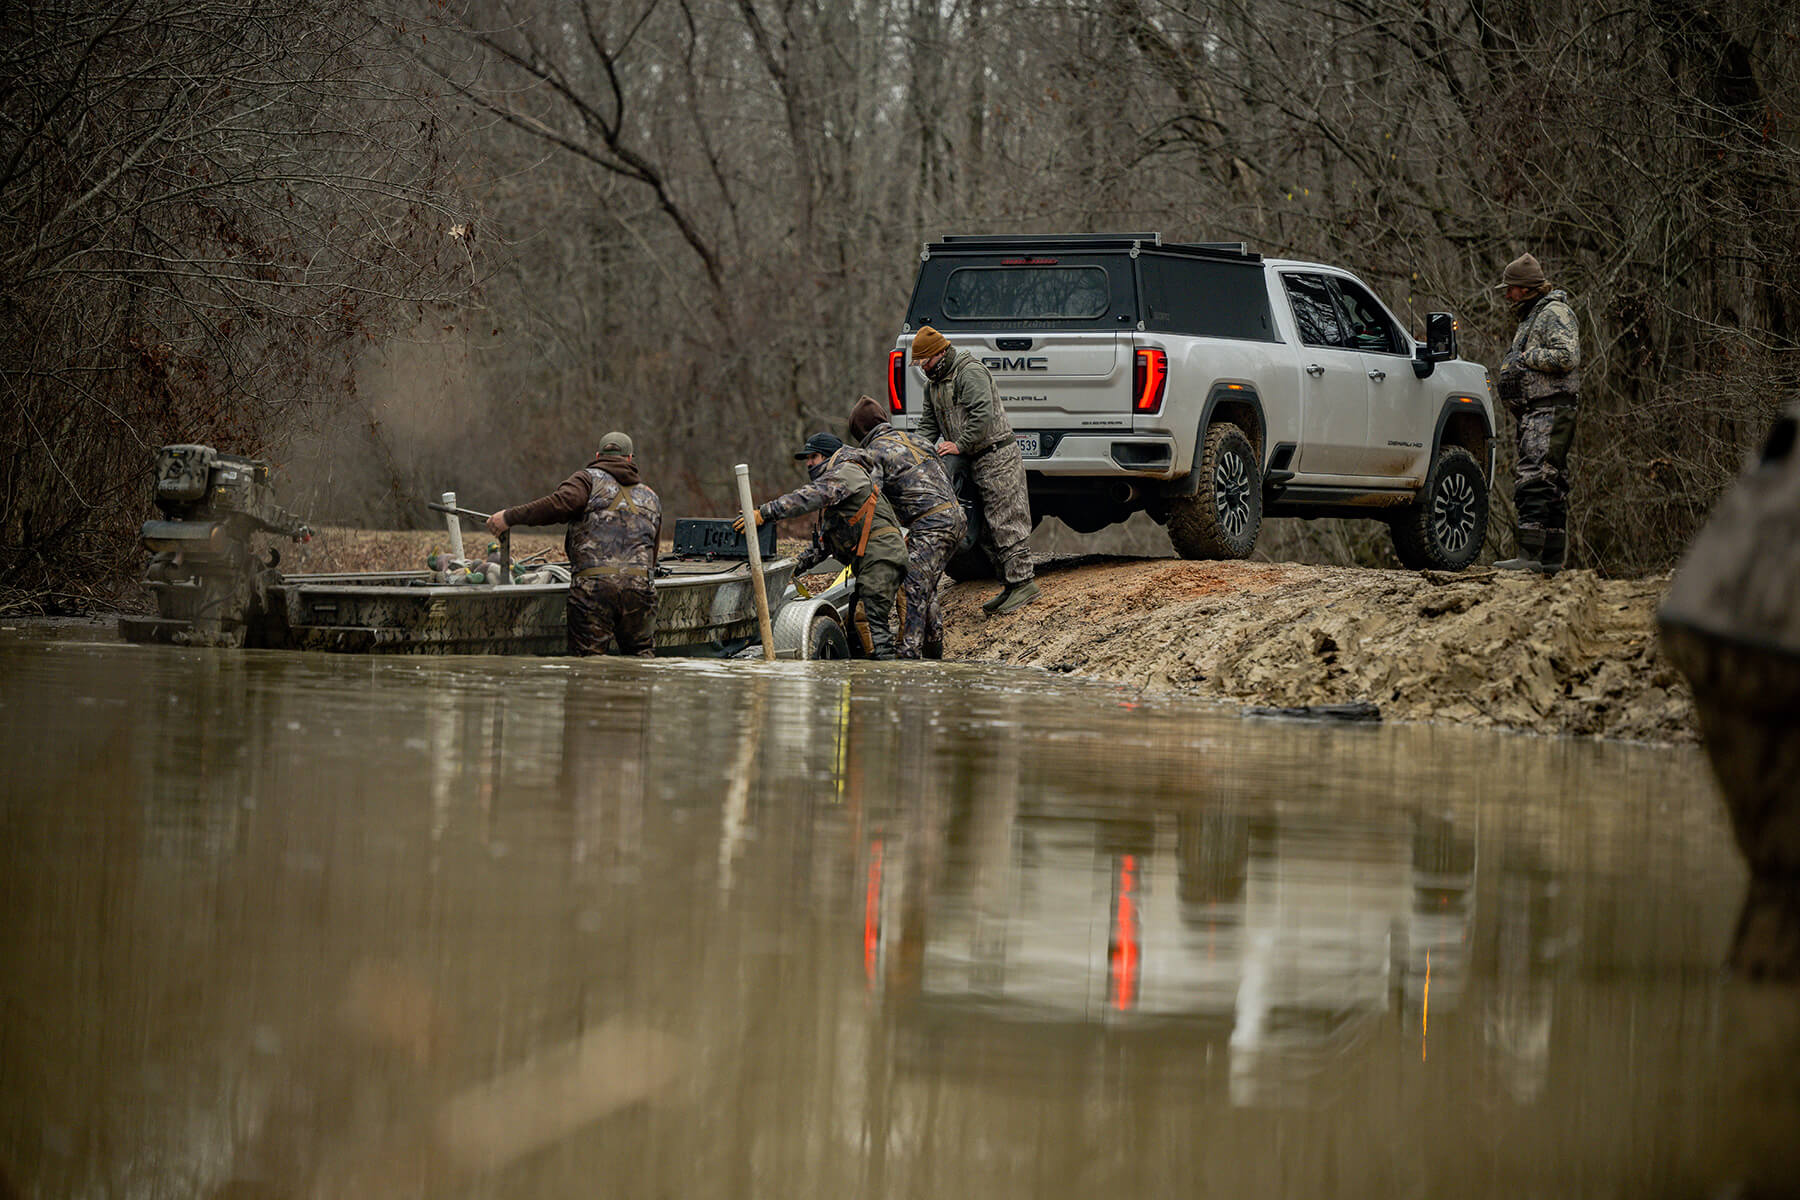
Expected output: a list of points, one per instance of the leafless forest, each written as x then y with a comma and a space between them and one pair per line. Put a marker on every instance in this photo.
398, 248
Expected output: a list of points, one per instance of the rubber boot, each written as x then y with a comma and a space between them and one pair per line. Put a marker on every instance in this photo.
1531, 552
1556, 548
1016, 595
881, 642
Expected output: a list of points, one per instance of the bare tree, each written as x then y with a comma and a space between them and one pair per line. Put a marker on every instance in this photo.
210, 209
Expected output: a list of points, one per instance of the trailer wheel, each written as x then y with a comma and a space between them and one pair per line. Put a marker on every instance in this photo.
825, 639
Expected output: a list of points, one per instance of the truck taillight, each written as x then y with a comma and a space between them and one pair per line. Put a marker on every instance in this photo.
1148, 379
896, 381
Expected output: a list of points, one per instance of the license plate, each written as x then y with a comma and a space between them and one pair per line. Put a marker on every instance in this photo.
1029, 445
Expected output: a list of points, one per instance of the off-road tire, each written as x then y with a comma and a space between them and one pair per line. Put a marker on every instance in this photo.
1444, 529
825, 639
1222, 519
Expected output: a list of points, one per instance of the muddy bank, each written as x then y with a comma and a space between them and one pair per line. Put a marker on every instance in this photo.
1576, 654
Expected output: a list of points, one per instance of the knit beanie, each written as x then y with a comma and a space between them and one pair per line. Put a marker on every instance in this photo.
928, 342
1522, 271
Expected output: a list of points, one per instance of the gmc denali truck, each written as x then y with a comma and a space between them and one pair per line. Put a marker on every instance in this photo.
1209, 386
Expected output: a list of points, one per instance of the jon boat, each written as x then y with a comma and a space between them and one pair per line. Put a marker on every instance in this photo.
211, 590
705, 605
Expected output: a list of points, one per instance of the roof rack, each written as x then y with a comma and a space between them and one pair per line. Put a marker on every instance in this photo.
988, 242
1043, 241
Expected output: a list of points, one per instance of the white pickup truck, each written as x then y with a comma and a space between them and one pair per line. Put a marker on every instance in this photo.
1209, 387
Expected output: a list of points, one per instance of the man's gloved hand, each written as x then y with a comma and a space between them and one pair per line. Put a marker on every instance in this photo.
737, 522
1510, 383
496, 523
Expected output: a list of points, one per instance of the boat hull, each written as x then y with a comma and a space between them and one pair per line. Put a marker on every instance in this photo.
702, 608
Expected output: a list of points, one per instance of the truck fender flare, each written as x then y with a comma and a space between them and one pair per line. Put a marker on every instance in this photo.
1189, 484
1460, 406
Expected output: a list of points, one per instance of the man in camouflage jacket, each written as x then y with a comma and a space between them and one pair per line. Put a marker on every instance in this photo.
963, 415
1540, 384
912, 477
615, 529
856, 526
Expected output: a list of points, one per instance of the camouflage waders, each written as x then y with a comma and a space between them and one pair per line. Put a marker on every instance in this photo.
857, 527
1541, 493
608, 606
1539, 381
612, 549
1000, 475
929, 544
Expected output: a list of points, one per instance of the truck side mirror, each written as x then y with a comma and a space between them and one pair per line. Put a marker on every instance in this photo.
1440, 337
1440, 343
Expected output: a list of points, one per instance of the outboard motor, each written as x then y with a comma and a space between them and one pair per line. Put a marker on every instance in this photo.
1731, 625
201, 570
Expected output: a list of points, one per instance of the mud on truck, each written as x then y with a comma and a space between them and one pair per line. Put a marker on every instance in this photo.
1208, 387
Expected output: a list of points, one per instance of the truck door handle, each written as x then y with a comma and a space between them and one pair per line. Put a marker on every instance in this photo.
1315, 369
1378, 375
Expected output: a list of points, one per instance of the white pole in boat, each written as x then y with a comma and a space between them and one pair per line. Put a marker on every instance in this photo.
455, 524
756, 571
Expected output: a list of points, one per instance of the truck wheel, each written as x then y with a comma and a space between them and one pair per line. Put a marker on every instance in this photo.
1222, 519
1444, 530
826, 640
967, 561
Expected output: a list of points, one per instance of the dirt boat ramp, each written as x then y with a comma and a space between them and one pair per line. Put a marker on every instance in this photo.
1575, 654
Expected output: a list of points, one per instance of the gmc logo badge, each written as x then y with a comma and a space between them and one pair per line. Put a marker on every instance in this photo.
1016, 364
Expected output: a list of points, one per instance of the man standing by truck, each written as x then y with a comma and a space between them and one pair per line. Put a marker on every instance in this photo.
1540, 384
913, 479
856, 526
615, 528
963, 415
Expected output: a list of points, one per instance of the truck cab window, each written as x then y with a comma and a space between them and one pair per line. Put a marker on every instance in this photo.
1315, 311
1371, 329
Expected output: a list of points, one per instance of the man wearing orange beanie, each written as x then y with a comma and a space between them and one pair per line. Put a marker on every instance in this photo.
963, 415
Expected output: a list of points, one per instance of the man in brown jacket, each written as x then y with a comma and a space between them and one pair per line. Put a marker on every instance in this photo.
615, 528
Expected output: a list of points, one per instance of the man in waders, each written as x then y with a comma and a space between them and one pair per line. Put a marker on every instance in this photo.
615, 527
963, 415
913, 479
856, 527
1539, 381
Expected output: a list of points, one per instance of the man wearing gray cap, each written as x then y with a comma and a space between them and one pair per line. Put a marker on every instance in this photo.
1539, 381
615, 528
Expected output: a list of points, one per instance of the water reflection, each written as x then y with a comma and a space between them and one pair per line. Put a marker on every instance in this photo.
328, 926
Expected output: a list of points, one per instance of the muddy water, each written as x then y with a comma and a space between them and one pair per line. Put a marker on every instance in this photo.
279, 925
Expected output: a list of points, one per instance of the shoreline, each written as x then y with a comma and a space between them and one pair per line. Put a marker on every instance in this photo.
1575, 655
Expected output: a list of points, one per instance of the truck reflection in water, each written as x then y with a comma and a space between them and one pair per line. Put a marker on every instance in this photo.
1263, 944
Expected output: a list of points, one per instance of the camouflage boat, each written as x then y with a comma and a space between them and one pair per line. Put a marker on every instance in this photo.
211, 590
1731, 625
703, 607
